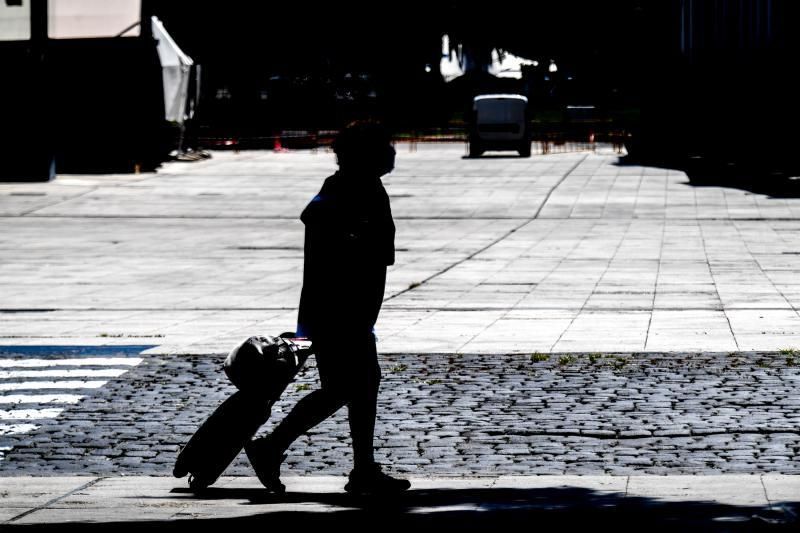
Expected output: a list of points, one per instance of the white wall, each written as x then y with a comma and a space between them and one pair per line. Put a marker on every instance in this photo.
67, 19
15, 21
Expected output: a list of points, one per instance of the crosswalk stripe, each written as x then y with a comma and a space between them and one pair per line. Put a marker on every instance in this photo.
88, 361
43, 385
29, 414
30, 379
16, 429
107, 373
40, 398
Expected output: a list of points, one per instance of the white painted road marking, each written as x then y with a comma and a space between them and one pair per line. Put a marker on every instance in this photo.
29, 414
88, 361
27, 377
41, 385
40, 398
111, 373
15, 429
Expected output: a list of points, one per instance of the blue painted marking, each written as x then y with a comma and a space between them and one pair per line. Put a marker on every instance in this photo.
74, 351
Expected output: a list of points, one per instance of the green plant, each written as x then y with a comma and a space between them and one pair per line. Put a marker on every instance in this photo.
789, 351
619, 363
433, 381
302, 387
565, 360
398, 368
537, 357
594, 357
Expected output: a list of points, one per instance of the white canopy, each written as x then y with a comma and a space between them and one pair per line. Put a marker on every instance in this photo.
450, 65
505, 65
175, 69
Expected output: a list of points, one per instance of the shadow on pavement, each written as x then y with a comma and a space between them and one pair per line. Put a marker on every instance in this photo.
751, 178
554, 509
772, 185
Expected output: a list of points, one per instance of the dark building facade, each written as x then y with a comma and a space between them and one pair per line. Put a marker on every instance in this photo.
717, 82
686, 78
78, 103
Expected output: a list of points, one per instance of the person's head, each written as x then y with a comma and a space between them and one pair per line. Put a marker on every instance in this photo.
364, 149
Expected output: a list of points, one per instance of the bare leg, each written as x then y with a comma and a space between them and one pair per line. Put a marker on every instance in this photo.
312, 409
362, 409
351, 379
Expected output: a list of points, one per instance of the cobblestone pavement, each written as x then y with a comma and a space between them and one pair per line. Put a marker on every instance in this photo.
465, 415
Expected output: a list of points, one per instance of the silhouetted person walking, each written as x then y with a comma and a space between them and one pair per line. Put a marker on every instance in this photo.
349, 242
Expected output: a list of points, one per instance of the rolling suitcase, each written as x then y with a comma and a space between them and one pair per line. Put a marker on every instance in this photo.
261, 368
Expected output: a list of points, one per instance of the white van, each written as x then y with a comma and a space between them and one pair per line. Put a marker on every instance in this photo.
499, 122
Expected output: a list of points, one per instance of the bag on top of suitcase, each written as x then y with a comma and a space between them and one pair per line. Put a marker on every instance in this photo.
261, 367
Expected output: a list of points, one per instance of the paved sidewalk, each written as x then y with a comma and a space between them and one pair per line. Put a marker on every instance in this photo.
556, 253
696, 503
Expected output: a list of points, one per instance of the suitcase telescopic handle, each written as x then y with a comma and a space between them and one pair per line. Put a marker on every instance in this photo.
301, 346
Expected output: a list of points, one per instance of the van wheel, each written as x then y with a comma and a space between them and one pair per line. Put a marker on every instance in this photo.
525, 150
475, 149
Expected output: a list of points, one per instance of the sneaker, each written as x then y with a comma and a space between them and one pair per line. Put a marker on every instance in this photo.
266, 461
372, 480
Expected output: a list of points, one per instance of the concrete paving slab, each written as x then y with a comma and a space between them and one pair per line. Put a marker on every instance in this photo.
782, 489
82, 517
7, 513
452, 483
620, 233
598, 484
21, 494
31, 491
729, 490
